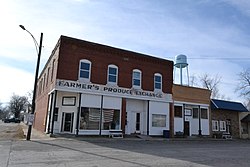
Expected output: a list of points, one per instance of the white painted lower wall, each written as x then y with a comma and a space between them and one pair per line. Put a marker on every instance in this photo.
162, 109
178, 125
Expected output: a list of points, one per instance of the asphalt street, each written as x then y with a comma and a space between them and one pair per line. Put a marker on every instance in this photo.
127, 152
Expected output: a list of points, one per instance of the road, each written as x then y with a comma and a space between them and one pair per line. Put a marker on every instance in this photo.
127, 152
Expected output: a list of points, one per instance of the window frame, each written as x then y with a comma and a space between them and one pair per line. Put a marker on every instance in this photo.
156, 82
223, 126
133, 78
116, 75
195, 113
178, 113
159, 120
215, 125
89, 71
202, 110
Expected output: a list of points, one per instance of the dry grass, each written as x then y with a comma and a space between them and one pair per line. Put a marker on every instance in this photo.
12, 132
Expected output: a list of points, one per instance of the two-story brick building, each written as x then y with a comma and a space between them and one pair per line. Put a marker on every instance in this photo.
87, 88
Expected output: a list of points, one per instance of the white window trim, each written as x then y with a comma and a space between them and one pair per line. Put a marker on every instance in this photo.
223, 126
157, 74
214, 127
117, 72
135, 86
90, 65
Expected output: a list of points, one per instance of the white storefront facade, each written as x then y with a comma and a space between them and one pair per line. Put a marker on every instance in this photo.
192, 119
93, 109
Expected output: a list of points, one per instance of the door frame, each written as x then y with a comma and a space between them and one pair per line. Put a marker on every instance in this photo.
186, 129
71, 122
136, 123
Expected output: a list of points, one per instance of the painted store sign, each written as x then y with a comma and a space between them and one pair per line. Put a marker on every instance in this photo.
75, 86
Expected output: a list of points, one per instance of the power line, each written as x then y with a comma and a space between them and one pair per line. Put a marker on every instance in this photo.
218, 58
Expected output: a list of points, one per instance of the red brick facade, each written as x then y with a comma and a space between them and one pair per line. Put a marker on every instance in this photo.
73, 50
64, 64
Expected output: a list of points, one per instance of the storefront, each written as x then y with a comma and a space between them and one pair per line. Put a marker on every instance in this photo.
191, 111
104, 108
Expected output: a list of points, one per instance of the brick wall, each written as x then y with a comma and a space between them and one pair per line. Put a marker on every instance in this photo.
46, 83
191, 94
73, 50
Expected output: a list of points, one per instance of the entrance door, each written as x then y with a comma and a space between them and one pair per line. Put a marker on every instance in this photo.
68, 122
186, 128
138, 122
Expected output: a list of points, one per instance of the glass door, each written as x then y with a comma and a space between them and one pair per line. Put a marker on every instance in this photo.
68, 122
138, 123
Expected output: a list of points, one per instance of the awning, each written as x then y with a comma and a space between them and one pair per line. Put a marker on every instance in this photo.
227, 105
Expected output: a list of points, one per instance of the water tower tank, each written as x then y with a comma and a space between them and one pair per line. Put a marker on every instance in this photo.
181, 61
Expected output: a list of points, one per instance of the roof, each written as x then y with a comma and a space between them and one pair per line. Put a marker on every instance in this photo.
246, 118
227, 105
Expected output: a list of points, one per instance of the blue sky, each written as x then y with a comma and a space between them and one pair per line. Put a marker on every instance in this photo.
215, 35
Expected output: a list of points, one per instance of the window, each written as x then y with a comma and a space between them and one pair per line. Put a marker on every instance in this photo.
158, 81
222, 125
47, 81
204, 113
195, 113
56, 114
110, 119
158, 120
85, 69
136, 78
215, 125
112, 74
69, 101
52, 70
178, 111
44, 81
90, 119
244, 126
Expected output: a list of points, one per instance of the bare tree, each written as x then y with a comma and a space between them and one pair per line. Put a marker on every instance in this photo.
244, 83
17, 104
244, 86
3, 111
193, 81
211, 83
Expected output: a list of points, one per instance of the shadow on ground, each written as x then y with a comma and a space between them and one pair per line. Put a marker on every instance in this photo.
203, 152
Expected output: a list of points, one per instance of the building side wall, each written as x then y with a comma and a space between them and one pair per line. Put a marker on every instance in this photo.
46, 83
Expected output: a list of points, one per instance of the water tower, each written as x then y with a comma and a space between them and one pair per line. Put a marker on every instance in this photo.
181, 63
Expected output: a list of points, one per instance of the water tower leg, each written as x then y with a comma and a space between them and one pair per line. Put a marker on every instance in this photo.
180, 74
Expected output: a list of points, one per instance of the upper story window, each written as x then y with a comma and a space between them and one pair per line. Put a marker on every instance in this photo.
178, 111
158, 81
52, 70
136, 78
84, 69
112, 74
